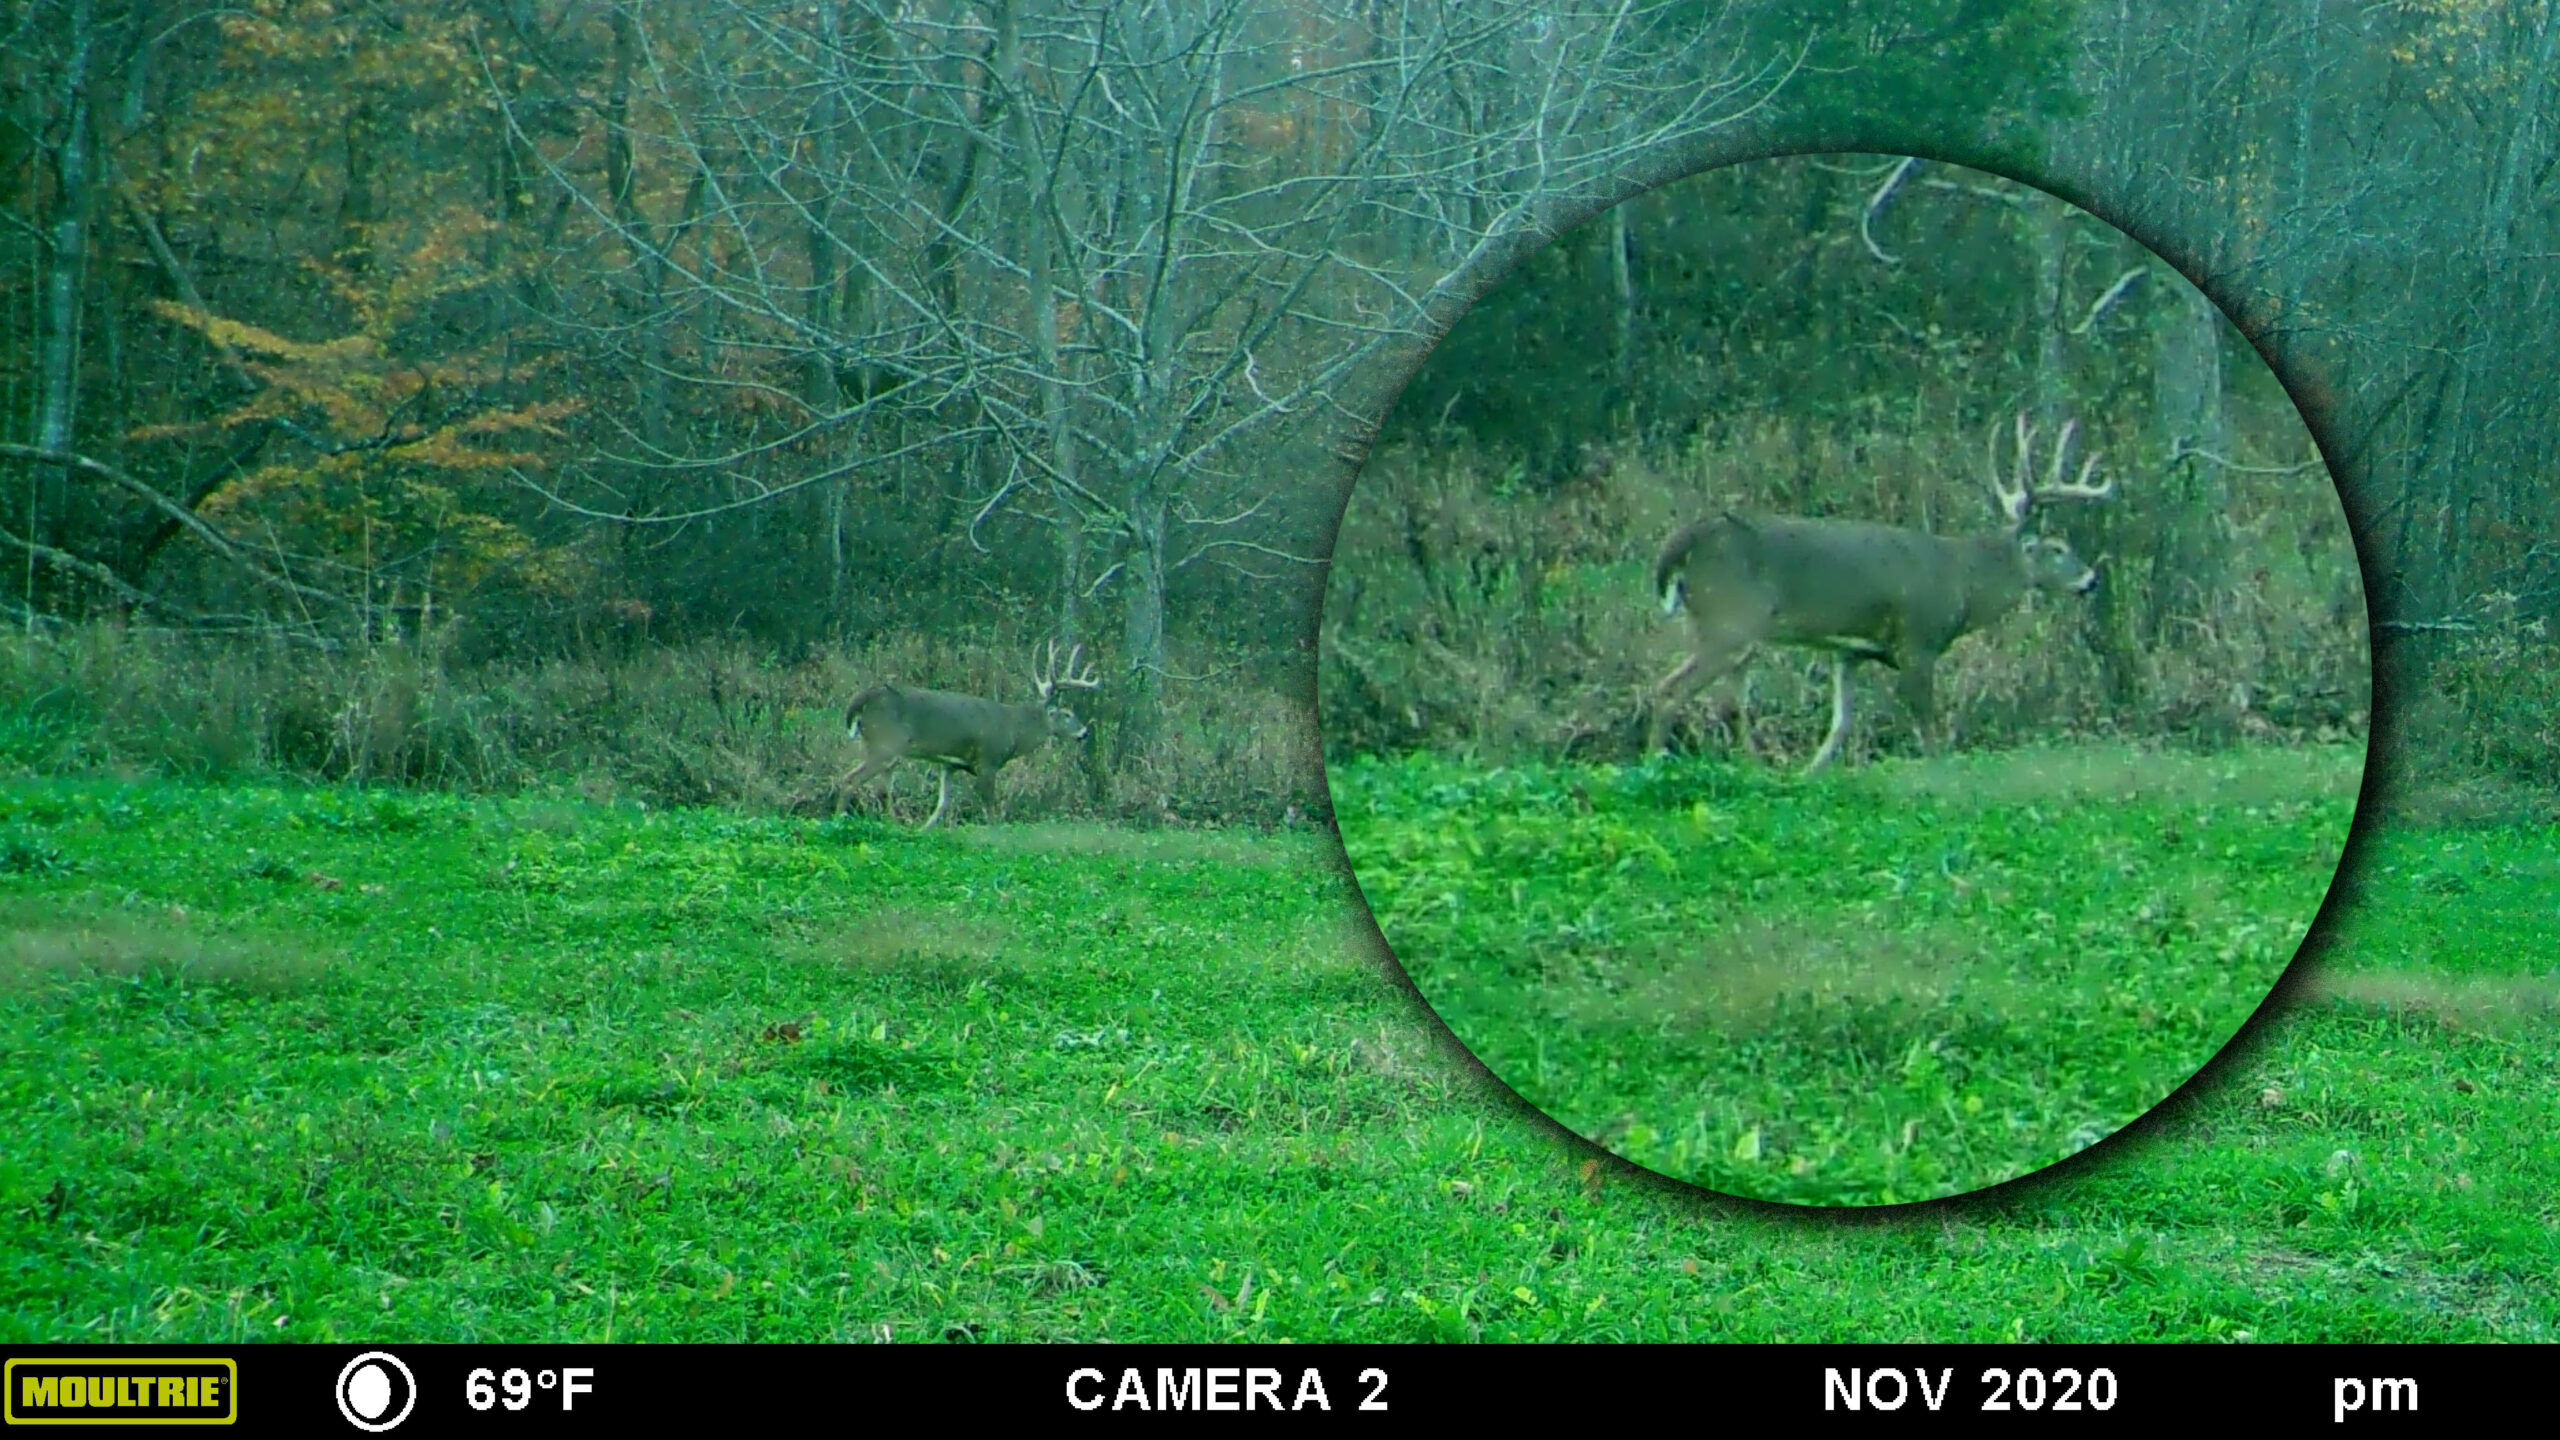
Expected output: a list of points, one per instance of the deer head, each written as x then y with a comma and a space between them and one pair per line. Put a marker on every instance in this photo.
1048, 677
2048, 561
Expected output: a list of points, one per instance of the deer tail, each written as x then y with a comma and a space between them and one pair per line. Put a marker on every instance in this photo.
1670, 568
1666, 567
853, 711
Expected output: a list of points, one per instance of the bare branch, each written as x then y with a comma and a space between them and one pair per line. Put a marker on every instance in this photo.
1258, 549
1875, 206
2180, 450
214, 539
2106, 301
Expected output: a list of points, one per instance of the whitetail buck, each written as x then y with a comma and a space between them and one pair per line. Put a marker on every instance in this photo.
1862, 591
964, 732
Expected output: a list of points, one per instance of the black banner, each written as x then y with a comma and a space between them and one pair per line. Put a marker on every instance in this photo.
599, 1389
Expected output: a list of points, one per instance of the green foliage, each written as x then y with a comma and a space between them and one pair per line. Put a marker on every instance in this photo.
1541, 363
29, 855
266, 867
1535, 366
2491, 707
38, 725
734, 1078
1877, 987
1985, 77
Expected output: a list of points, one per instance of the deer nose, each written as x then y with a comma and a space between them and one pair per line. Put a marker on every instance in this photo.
2085, 584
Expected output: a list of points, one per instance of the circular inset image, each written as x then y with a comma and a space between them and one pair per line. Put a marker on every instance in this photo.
1845, 680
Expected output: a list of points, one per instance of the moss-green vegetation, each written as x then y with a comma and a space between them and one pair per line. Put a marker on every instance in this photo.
1864, 988
326, 1064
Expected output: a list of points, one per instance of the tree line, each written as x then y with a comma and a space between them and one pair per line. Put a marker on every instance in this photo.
546, 326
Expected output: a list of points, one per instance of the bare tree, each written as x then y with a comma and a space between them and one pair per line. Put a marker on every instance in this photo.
2356, 185
1126, 255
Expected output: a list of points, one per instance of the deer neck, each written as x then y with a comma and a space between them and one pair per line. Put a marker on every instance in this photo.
1994, 578
1032, 728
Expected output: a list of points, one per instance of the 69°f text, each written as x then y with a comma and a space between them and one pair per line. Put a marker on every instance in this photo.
1220, 1387
516, 1388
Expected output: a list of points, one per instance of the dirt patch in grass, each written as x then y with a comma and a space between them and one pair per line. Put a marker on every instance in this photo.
2255, 776
548, 816
1401, 1055
36, 945
1084, 837
1737, 976
2483, 802
2412, 1283
2476, 1002
921, 942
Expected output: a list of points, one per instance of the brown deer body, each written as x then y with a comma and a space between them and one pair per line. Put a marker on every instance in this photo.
1859, 590
967, 733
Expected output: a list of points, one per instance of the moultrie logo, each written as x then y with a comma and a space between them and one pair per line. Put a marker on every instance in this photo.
121, 1391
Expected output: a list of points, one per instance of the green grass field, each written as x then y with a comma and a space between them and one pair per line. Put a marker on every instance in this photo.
1868, 987
312, 1064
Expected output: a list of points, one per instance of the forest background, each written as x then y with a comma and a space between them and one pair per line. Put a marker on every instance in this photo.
591, 393
1887, 334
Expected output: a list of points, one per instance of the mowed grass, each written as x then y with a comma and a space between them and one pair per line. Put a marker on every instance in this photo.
322, 1065
1864, 987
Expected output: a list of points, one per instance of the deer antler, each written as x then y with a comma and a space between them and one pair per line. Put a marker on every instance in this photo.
2018, 500
2080, 488
2015, 500
1050, 676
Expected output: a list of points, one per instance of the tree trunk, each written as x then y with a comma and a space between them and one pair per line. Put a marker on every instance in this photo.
58, 364
1623, 283
2187, 396
2105, 624
1043, 300
356, 206
819, 369
650, 247
2045, 239
1142, 621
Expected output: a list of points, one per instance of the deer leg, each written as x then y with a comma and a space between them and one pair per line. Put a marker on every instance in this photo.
1919, 698
1733, 707
942, 800
1713, 659
851, 783
1742, 720
987, 792
1659, 724
1839, 713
